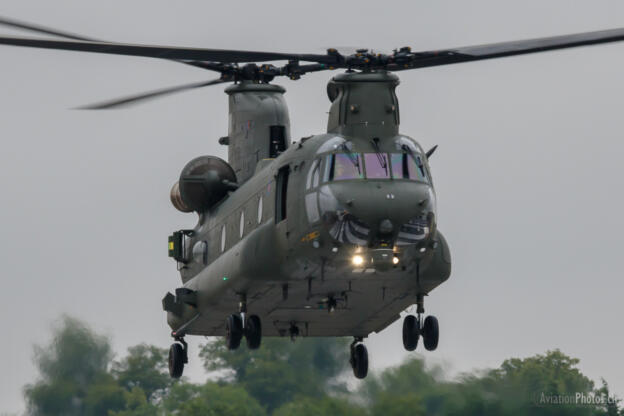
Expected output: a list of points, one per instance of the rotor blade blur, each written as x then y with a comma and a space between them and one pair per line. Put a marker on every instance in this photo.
136, 99
4, 21
54, 32
519, 47
164, 52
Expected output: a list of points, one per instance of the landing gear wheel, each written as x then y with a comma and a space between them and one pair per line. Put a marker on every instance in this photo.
359, 361
411, 332
431, 333
176, 360
253, 332
233, 331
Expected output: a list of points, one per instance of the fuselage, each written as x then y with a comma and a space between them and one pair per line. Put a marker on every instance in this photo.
330, 208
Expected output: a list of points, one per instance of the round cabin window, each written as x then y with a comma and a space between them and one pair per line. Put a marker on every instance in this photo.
223, 239
242, 224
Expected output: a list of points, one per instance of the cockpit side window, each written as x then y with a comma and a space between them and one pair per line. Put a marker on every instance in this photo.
343, 166
314, 174
408, 166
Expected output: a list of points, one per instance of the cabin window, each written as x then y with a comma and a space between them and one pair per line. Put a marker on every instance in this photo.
241, 225
200, 252
223, 238
260, 210
281, 193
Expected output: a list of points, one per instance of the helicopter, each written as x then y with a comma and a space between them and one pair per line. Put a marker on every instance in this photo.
331, 235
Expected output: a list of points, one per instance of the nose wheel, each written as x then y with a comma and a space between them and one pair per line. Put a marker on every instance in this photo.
414, 327
359, 358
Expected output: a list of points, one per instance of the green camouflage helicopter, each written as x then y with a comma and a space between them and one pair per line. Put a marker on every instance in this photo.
331, 235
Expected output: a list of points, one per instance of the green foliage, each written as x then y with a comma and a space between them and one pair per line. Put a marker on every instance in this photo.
136, 404
144, 366
391, 404
73, 363
305, 378
281, 370
307, 406
211, 399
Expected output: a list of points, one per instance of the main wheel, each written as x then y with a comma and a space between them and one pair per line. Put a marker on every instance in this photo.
233, 331
359, 361
253, 332
411, 332
176, 360
431, 333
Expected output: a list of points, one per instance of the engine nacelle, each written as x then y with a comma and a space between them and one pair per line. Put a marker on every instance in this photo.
204, 181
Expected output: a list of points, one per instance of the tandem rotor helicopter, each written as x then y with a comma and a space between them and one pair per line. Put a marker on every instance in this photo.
332, 235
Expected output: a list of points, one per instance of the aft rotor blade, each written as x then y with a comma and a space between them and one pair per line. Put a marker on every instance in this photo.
135, 99
5, 21
519, 47
164, 52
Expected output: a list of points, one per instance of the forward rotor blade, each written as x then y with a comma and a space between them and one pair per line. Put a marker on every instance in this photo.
519, 47
164, 52
135, 99
5, 21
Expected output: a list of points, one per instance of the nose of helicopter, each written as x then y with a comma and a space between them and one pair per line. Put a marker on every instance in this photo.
378, 213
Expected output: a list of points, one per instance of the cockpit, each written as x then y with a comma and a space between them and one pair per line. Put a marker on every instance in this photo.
337, 196
349, 166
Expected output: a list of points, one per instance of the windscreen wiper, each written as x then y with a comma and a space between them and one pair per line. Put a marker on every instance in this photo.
380, 157
419, 163
352, 157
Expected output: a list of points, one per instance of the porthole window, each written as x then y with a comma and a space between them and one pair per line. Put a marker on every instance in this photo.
200, 252
242, 224
260, 210
223, 239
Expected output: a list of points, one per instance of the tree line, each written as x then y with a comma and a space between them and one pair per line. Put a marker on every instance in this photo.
78, 375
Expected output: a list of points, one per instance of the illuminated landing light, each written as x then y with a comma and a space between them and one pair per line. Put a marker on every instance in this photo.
422, 250
357, 260
395, 260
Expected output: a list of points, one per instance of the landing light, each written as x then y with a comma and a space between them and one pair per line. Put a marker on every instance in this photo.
395, 260
357, 260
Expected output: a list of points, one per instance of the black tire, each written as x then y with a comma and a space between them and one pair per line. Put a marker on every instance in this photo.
233, 331
176, 360
253, 332
431, 333
359, 361
411, 332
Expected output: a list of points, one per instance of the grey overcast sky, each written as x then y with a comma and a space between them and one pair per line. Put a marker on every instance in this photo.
528, 173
